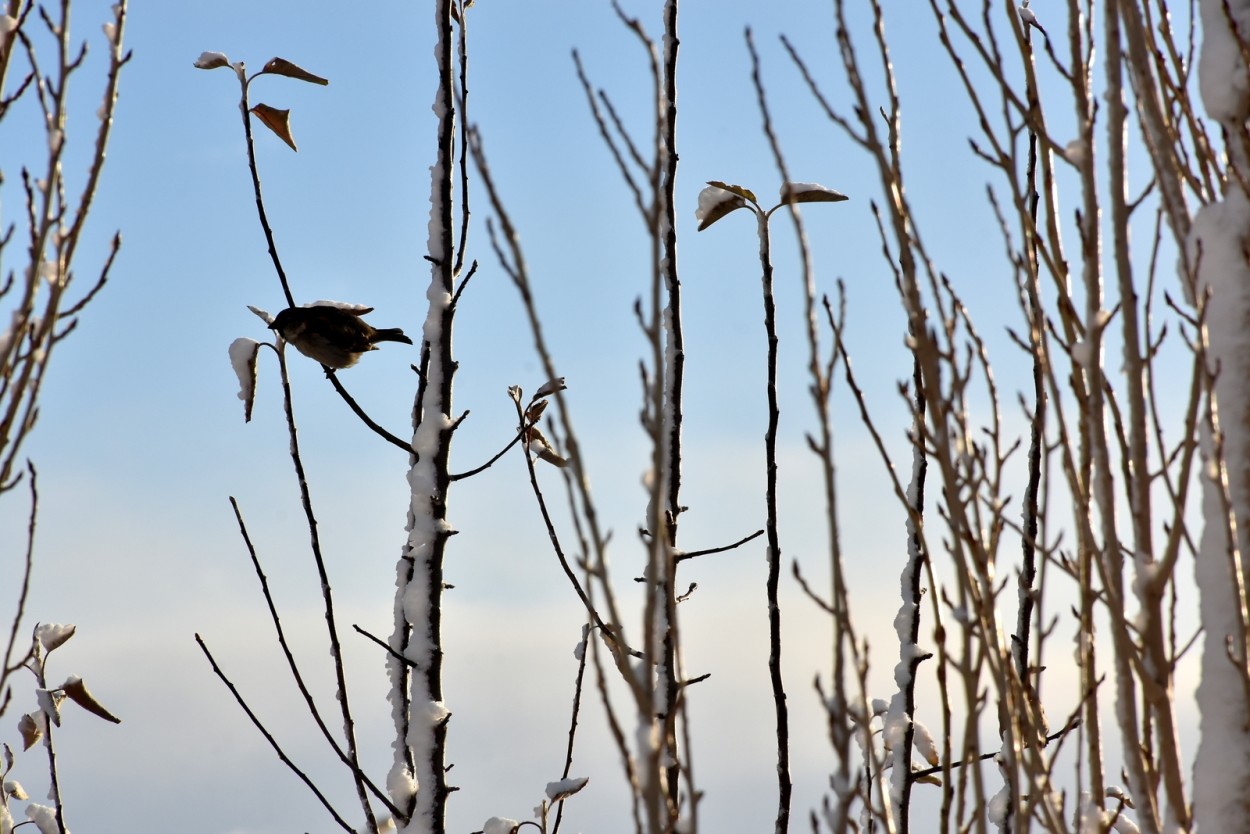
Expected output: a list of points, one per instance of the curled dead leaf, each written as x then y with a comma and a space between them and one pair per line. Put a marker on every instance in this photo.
536, 441
53, 635
30, 730
745, 193
535, 411
281, 66
211, 60
77, 692
550, 387
243, 353
545, 453
563, 789
279, 121
719, 199
50, 703
810, 192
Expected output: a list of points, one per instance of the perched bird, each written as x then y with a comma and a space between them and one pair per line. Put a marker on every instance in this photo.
334, 336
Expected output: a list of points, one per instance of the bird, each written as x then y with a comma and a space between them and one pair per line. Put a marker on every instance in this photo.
335, 336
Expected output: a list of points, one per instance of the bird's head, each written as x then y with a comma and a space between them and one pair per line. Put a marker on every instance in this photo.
283, 322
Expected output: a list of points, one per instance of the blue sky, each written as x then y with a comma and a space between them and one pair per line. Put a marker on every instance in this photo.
142, 438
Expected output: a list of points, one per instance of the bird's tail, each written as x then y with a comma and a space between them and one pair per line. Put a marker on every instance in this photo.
391, 334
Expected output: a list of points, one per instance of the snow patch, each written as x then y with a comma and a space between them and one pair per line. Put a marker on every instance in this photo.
1221, 70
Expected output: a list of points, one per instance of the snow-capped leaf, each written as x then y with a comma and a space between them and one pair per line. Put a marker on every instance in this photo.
43, 817
715, 202
50, 703
14, 789
243, 354
455, 11
552, 458
279, 121
30, 729
579, 651
745, 193
281, 66
922, 740
1028, 18
1124, 825
263, 315
211, 60
1076, 152
536, 441
52, 635
499, 825
810, 192
1118, 793
78, 692
563, 789
550, 387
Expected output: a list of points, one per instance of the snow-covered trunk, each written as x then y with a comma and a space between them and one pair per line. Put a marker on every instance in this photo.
673, 356
666, 504
417, 780
1219, 239
1219, 243
1222, 766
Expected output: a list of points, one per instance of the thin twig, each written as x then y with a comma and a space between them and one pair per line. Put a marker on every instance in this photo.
10, 664
781, 710
327, 599
573, 713
681, 556
516, 439
368, 421
296, 675
286, 760
409, 663
985, 757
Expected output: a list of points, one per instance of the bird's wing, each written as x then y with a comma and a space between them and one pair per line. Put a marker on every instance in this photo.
339, 327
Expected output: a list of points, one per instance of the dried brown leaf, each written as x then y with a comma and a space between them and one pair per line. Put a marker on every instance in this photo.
281, 66
803, 192
30, 730
535, 411
745, 193
279, 121
77, 692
